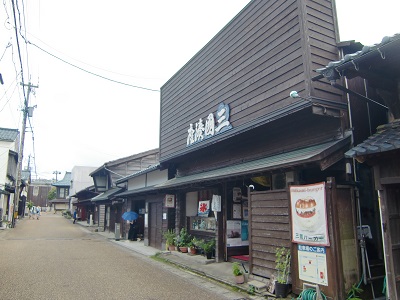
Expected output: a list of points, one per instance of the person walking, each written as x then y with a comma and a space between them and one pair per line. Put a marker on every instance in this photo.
37, 212
33, 212
74, 217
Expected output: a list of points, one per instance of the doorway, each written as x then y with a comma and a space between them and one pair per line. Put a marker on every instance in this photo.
155, 224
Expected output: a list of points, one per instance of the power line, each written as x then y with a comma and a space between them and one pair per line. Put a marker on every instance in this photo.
89, 72
19, 50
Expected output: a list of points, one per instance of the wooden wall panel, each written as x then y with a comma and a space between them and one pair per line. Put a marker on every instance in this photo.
269, 228
251, 64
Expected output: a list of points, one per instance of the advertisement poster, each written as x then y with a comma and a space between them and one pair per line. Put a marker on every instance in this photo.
308, 208
233, 233
204, 208
169, 201
312, 264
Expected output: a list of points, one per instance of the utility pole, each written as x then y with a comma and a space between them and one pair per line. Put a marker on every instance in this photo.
56, 172
14, 207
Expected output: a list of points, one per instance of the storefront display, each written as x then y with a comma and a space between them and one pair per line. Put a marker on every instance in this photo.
203, 223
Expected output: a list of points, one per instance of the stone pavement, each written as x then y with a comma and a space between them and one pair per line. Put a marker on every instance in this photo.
220, 272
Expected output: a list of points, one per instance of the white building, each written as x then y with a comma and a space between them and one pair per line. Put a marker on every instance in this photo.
9, 146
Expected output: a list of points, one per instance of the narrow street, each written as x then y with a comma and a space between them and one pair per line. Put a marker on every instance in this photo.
52, 258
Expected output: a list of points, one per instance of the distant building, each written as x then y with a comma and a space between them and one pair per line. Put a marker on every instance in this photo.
61, 202
38, 192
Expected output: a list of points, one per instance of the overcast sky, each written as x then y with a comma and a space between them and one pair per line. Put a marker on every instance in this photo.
81, 118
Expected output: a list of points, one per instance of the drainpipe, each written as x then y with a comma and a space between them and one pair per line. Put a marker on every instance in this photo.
383, 229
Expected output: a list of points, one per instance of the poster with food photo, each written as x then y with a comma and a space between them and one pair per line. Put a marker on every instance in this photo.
308, 208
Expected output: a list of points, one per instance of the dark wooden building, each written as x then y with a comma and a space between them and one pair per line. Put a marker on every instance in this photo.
38, 192
370, 77
142, 198
82, 203
108, 205
234, 141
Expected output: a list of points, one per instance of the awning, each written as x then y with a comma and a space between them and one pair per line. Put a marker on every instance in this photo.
107, 195
386, 138
285, 159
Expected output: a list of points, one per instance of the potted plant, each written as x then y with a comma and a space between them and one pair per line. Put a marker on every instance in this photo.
183, 240
170, 237
194, 244
208, 247
282, 261
238, 273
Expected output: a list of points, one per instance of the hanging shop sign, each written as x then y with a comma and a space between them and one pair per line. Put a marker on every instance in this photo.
308, 210
312, 264
204, 208
212, 126
169, 201
216, 203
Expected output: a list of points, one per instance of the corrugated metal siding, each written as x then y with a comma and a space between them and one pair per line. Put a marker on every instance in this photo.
252, 64
270, 229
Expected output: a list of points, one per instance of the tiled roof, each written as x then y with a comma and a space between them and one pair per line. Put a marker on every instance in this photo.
108, 195
66, 181
386, 138
311, 154
125, 159
351, 65
7, 134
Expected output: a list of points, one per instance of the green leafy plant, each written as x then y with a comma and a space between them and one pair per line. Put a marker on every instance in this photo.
170, 237
208, 246
184, 238
52, 194
251, 290
282, 264
196, 242
29, 204
236, 269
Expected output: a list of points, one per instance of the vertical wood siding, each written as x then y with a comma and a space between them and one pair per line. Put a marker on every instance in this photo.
251, 64
269, 229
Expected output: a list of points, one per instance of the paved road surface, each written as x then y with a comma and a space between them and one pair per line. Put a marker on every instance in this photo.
52, 258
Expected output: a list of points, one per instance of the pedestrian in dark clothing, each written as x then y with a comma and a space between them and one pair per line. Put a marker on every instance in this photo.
132, 234
74, 216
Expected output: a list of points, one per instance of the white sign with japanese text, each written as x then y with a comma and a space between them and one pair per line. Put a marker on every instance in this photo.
312, 264
308, 210
213, 125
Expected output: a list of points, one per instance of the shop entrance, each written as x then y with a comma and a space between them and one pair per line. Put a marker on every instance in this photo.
155, 224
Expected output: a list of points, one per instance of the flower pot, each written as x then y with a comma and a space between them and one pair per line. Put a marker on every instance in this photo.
239, 279
281, 289
192, 250
171, 248
208, 255
183, 249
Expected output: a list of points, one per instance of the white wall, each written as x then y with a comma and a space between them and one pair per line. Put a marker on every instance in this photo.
80, 178
149, 179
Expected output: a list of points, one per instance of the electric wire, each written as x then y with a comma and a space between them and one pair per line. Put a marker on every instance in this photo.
33, 145
23, 35
9, 98
18, 47
5, 50
90, 72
